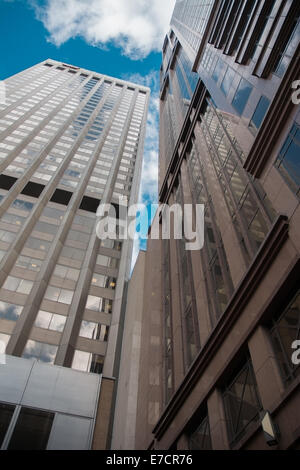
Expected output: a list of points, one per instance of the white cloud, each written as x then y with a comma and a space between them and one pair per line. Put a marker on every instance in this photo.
137, 26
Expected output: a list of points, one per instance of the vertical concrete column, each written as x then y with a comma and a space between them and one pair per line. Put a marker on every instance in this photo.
267, 374
217, 421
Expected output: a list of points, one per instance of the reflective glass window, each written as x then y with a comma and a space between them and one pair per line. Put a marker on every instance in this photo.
32, 430
10, 311
260, 112
40, 351
241, 96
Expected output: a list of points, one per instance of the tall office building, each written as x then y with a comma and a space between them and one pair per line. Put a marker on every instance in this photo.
69, 138
219, 324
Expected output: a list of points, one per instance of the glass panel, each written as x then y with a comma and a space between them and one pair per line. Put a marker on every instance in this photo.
217, 71
22, 205
200, 439
43, 319
25, 287
29, 263
93, 303
41, 351
50, 321
57, 323
242, 95
228, 80
285, 331
260, 112
32, 430
242, 403
103, 281
65, 296
11, 283
288, 161
87, 362
52, 293
10, 311
94, 331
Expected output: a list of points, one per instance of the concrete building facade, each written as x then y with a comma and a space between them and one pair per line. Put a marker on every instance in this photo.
69, 139
219, 325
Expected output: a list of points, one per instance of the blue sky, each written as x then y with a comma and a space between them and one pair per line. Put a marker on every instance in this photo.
25, 41
121, 38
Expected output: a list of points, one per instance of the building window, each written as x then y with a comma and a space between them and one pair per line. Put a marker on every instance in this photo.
242, 402
247, 203
200, 439
227, 80
98, 304
242, 26
286, 330
167, 310
15, 284
32, 430
284, 57
288, 162
41, 351
87, 362
188, 305
59, 295
260, 112
241, 96
94, 331
66, 273
265, 18
217, 70
100, 280
9, 311
6, 412
32, 264
50, 321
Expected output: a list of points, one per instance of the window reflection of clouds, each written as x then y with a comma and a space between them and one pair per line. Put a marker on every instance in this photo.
22, 205
40, 351
15, 284
288, 161
59, 295
242, 95
10, 311
94, 331
98, 304
50, 321
87, 362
